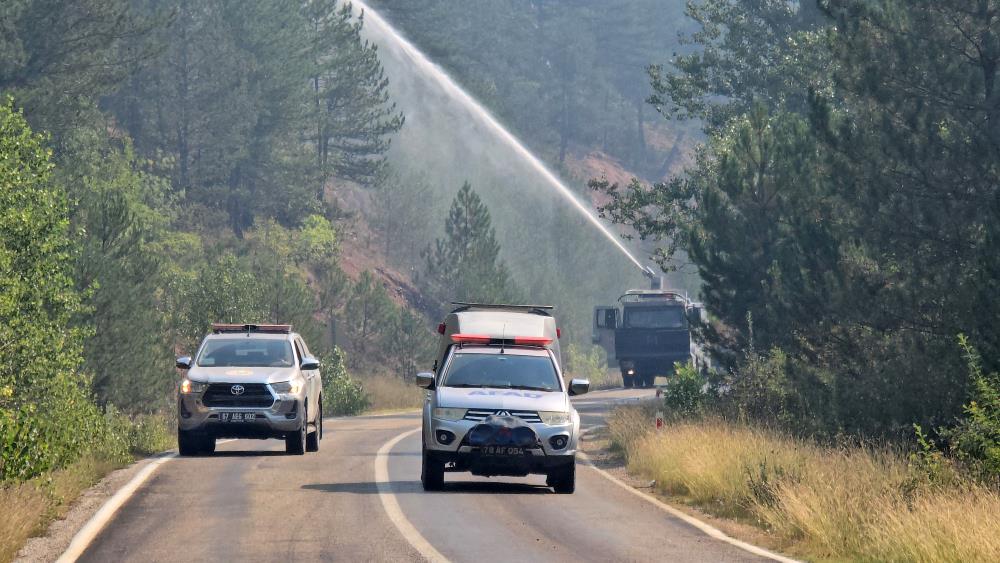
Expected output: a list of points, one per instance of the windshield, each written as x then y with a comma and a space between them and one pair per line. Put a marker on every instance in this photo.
669, 317
505, 371
246, 352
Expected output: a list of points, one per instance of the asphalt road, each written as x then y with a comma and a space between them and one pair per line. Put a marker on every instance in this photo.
251, 502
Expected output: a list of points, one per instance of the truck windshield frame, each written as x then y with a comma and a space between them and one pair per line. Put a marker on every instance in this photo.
246, 353
502, 371
655, 318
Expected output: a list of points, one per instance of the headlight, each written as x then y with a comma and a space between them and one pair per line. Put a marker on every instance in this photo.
287, 387
554, 418
449, 414
188, 386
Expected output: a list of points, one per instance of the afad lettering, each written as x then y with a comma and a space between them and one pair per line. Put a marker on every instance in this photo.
526, 395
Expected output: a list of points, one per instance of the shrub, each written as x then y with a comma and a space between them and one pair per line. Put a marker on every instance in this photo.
342, 395
686, 392
589, 363
975, 440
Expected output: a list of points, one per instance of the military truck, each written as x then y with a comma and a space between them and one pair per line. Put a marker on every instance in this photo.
646, 333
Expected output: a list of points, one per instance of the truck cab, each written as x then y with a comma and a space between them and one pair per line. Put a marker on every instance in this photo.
646, 334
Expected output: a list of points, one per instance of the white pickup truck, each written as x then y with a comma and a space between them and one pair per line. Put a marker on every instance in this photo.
497, 403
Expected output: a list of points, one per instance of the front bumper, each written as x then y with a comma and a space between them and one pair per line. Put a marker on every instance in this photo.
283, 417
473, 460
459, 455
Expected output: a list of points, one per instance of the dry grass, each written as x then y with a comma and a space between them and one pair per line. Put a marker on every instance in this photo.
387, 393
851, 503
29, 507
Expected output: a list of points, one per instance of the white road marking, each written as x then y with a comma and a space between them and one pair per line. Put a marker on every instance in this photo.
100, 519
391, 505
708, 529
83, 538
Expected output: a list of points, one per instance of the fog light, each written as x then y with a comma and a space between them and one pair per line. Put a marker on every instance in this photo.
558, 442
444, 437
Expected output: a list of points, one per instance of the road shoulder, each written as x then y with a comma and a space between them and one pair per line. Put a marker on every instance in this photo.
60, 533
595, 445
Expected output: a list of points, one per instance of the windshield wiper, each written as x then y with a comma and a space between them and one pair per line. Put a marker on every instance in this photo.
466, 385
529, 388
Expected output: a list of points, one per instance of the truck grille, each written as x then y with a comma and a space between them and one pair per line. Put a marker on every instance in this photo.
255, 395
479, 415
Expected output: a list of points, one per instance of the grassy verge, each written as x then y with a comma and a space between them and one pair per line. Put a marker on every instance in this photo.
822, 503
29, 507
387, 393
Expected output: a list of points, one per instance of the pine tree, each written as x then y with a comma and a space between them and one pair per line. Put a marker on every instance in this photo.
465, 265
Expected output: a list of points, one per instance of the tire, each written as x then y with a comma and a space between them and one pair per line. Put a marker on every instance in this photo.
431, 472
295, 443
207, 445
628, 381
648, 381
188, 445
312, 439
563, 479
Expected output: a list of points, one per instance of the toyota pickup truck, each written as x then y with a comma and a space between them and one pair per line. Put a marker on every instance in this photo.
250, 381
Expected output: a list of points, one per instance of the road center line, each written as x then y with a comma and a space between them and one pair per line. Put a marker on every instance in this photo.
391, 505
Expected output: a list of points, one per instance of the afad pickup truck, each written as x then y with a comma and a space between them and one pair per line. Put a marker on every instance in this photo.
497, 403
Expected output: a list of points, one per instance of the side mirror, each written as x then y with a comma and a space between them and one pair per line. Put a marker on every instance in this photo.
425, 379
579, 386
695, 314
309, 363
184, 362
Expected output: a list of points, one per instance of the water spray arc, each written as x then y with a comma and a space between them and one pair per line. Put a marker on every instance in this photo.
374, 22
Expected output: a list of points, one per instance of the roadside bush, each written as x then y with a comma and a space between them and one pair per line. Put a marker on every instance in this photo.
342, 395
686, 392
975, 440
589, 363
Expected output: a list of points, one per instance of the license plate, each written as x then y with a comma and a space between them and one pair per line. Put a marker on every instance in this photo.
237, 416
502, 450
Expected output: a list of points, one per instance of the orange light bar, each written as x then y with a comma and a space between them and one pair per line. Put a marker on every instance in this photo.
532, 341
470, 338
234, 327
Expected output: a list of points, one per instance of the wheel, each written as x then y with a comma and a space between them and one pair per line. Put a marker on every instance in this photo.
628, 380
648, 380
187, 444
312, 439
207, 445
295, 442
563, 479
431, 472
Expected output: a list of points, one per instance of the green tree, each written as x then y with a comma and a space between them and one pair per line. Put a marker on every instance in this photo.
465, 265
353, 116
45, 410
58, 58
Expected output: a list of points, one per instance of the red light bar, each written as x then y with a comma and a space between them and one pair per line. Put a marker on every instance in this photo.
470, 338
532, 341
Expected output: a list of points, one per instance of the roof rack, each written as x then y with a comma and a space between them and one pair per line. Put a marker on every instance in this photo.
219, 328
639, 295
536, 309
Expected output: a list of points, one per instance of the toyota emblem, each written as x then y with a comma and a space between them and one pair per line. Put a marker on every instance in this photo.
237, 389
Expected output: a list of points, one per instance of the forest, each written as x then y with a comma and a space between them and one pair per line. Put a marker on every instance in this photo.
823, 175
